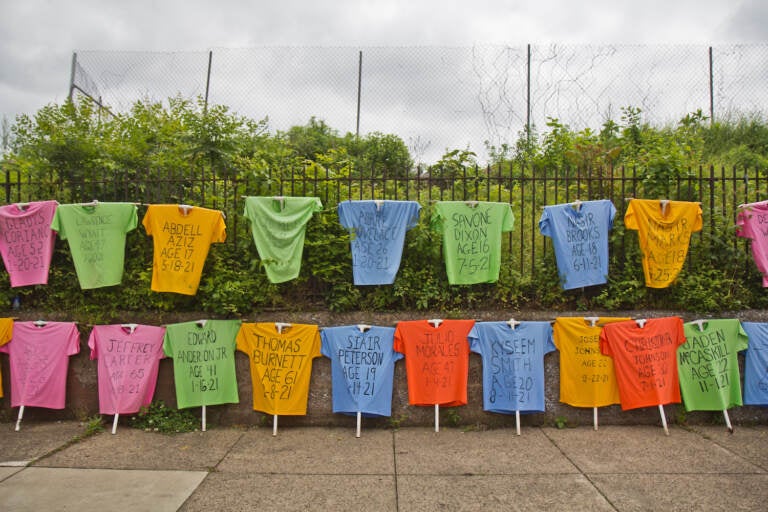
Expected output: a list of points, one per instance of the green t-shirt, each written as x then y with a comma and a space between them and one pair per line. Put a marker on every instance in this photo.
472, 238
278, 225
708, 364
203, 355
96, 235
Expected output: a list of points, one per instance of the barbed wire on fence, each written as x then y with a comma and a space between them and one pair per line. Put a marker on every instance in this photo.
440, 98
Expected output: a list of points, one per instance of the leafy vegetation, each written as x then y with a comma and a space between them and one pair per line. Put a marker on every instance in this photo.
165, 420
184, 151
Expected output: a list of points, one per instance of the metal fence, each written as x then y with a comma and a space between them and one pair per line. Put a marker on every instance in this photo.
719, 190
438, 98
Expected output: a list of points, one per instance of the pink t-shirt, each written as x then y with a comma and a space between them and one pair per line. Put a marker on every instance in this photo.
753, 223
39, 358
26, 241
129, 357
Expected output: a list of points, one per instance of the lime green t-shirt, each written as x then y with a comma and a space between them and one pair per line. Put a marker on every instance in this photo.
708, 364
203, 355
472, 238
96, 235
278, 225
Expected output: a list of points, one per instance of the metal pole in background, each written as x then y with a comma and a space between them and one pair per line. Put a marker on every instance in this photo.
359, 88
72, 75
711, 90
208, 81
528, 98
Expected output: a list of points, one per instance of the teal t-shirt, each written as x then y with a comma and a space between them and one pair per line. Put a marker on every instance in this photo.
96, 236
278, 225
472, 238
203, 355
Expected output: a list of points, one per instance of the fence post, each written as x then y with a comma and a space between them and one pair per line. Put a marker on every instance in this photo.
72, 75
208, 81
528, 97
711, 90
359, 90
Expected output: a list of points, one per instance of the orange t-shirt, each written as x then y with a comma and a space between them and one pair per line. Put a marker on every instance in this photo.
645, 360
181, 237
436, 360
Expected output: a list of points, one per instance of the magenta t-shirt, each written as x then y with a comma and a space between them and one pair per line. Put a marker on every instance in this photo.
39, 358
26, 241
129, 357
753, 223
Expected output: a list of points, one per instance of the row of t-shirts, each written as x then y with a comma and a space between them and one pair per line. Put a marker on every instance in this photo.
603, 361
471, 231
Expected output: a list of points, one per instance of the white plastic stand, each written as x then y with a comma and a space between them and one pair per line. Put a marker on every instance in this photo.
18, 420
357, 432
204, 422
437, 418
274, 425
517, 422
114, 423
727, 421
663, 419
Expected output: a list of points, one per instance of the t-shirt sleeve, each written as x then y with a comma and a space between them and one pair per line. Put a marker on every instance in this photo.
611, 214
436, 219
680, 331
147, 220
344, 214
133, 218
605, 346
698, 220
508, 219
474, 340
57, 224
219, 229
167, 345
743, 340
398, 343
549, 344
743, 226
73, 345
316, 344
325, 343
414, 209
545, 223
92, 344
630, 217
241, 340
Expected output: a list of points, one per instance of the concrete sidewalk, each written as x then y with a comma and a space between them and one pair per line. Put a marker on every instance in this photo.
47, 466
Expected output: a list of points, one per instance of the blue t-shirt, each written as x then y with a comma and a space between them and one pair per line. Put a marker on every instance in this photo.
580, 237
362, 368
513, 364
756, 364
378, 229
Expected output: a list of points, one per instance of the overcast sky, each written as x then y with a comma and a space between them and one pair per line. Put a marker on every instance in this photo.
37, 37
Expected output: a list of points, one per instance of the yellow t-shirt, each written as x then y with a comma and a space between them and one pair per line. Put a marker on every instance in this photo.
587, 377
281, 364
6, 332
664, 229
182, 237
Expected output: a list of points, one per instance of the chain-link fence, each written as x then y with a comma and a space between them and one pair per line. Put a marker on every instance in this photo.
438, 98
